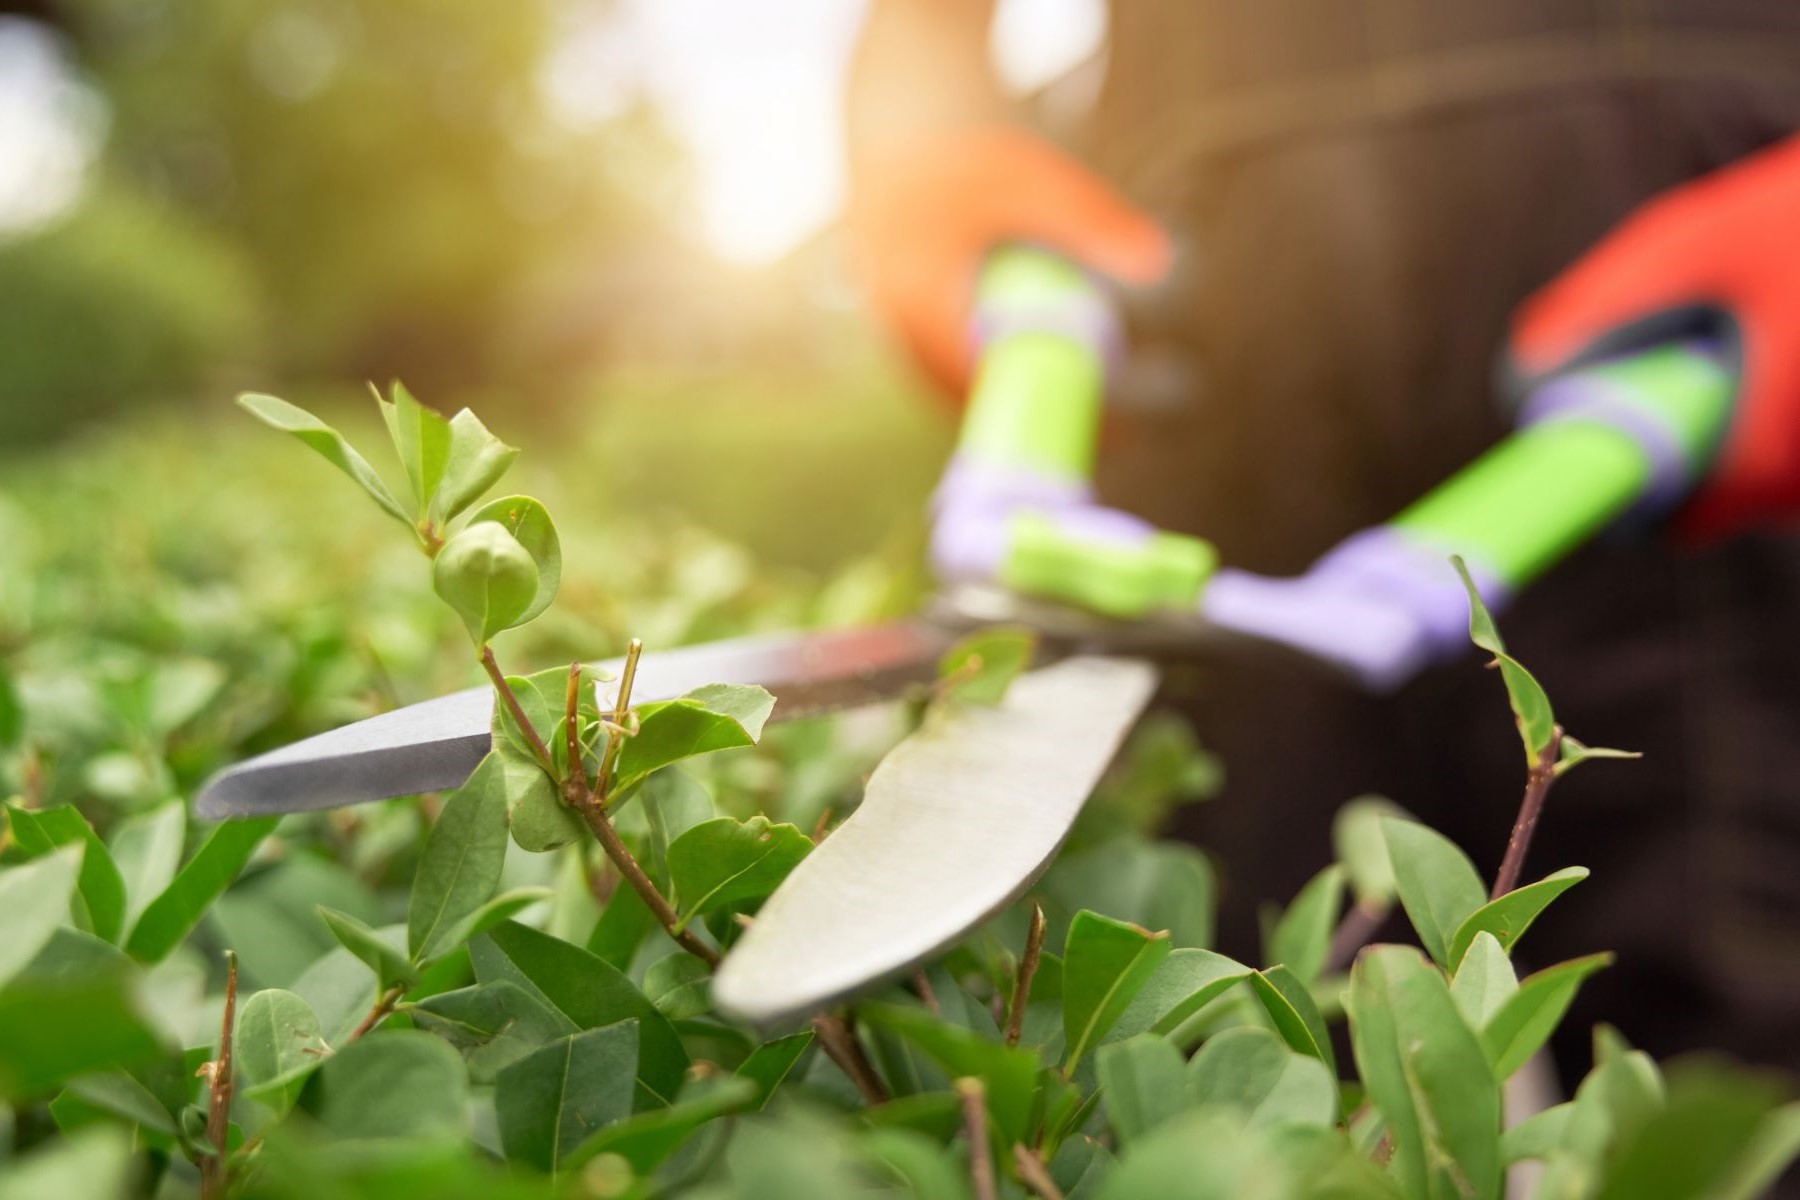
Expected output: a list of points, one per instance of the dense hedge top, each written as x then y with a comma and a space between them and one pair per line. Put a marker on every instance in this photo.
503, 990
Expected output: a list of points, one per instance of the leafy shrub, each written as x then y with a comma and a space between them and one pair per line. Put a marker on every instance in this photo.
529, 1014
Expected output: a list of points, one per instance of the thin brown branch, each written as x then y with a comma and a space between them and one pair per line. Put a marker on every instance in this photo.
981, 1160
1035, 1174
621, 709
384, 1004
1028, 965
504, 690
822, 826
841, 1046
595, 816
1531, 807
213, 1174
1353, 933
922, 985
572, 725
592, 806
31, 777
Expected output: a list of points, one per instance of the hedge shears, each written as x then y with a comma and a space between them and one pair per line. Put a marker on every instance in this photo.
962, 818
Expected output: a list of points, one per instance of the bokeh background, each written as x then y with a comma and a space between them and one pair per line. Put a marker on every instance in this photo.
607, 220
609, 226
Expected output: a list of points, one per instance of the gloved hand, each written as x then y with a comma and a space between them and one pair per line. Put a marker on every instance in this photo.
1718, 255
925, 213
1015, 506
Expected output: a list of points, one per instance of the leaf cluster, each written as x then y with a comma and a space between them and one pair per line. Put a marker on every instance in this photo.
461, 996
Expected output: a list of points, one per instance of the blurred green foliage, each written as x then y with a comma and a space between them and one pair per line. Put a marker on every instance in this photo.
318, 189
124, 300
161, 611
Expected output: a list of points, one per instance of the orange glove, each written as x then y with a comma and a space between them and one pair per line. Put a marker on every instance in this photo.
924, 214
1719, 256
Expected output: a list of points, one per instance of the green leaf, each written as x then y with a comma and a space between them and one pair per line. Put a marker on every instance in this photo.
1361, 846
1302, 937
1426, 1074
1141, 1084
59, 1025
530, 525
1162, 767
1537, 1136
1159, 885
94, 1164
1296, 1016
122, 1095
38, 832
1571, 754
35, 898
277, 1043
400, 1083
938, 1115
460, 867
147, 850
1484, 981
339, 988
475, 462
328, 442
552, 1099
178, 691
1621, 1093
534, 694
493, 1024
421, 438
1185, 982
494, 910
12, 713
1201, 1155
677, 984
1531, 707
725, 862
982, 665
390, 964
536, 816
1105, 964
916, 1161
770, 1062
1438, 884
673, 803
168, 919
1009, 1073
587, 991
648, 1138
1771, 1150
623, 925
1080, 1166
1256, 1073
487, 577
1528, 1018
1711, 1123
1509, 916
719, 716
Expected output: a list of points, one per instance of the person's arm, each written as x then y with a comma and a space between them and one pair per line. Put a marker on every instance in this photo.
1659, 374
920, 66
1718, 257
950, 198
941, 176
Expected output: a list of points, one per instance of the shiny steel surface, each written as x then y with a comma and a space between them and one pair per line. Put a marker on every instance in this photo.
955, 824
434, 745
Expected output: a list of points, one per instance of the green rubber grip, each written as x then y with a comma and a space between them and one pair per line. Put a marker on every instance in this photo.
1034, 408
1524, 505
1163, 572
1037, 393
